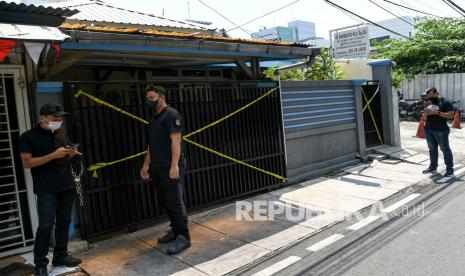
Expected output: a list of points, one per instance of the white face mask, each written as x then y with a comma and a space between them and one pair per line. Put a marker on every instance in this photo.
54, 125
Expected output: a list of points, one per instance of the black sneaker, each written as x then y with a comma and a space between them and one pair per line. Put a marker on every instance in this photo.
430, 170
66, 261
449, 173
179, 246
168, 237
40, 271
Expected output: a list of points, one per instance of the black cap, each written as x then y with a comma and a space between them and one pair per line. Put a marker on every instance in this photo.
431, 89
55, 109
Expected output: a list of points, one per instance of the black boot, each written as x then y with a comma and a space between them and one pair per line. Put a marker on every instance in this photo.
65, 260
168, 237
179, 246
40, 271
449, 172
430, 170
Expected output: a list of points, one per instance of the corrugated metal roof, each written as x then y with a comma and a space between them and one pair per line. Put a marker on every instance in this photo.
154, 32
31, 32
99, 11
11, 6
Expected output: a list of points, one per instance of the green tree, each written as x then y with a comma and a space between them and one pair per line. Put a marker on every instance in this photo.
438, 46
321, 69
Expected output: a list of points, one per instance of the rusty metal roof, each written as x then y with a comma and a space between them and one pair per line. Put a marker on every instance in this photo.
159, 33
34, 9
99, 11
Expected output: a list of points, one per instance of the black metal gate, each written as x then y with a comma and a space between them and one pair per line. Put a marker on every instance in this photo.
372, 114
117, 198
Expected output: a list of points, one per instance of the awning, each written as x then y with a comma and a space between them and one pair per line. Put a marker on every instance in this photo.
31, 32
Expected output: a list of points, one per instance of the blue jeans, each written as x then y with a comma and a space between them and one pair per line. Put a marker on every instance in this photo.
439, 138
52, 208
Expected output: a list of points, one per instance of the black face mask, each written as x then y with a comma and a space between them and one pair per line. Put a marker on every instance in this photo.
152, 104
434, 100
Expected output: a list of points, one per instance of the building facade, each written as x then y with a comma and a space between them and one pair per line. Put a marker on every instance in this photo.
296, 31
302, 29
404, 25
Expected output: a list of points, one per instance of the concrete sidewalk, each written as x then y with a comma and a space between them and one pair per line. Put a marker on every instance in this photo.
222, 244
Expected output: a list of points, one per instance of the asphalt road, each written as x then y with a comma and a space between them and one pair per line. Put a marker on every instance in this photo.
432, 244
428, 238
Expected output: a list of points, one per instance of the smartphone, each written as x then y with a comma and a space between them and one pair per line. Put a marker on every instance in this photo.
73, 146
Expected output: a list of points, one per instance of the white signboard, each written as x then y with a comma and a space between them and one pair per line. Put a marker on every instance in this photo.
353, 43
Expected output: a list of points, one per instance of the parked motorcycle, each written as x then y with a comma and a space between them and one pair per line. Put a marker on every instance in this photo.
411, 109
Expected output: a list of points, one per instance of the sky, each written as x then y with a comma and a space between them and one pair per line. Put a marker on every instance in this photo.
322, 14
325, 17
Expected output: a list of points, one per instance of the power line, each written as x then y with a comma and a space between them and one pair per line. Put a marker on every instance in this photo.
457, 6
266, 14
365, 19
422, 3
217, 12
391, 13
412, 9
454, 6
408, 5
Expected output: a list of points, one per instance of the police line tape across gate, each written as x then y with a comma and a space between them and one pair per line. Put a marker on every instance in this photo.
95, 167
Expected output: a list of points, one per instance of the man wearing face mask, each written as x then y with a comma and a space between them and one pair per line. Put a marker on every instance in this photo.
166, 160
437, 112
47, 151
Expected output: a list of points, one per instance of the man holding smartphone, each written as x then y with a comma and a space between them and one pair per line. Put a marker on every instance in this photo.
166, 160
47, 151
437, 112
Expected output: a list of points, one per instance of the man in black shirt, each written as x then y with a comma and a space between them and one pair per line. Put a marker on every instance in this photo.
46, 150
165, 157
437, 112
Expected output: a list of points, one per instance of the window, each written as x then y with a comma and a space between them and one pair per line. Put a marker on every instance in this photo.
193, 73
163, 72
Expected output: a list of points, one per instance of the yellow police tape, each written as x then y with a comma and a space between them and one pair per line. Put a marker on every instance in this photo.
367, 105
97, 100
231, 114
95, 167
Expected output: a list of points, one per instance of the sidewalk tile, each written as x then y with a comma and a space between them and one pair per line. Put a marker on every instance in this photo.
211, 252
323, 199
260, 228
352, 189
375, 182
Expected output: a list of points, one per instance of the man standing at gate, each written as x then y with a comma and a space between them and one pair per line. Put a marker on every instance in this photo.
47, 151
165, 158
437, 112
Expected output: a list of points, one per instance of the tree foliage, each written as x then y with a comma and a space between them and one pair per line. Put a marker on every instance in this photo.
321, 69
438, 46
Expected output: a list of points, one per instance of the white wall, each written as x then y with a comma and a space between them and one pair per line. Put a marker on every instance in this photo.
450, 86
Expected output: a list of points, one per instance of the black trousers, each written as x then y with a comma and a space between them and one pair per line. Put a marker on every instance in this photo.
53, 208
169, 193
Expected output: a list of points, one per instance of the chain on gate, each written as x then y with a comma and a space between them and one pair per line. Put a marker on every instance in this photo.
77, 181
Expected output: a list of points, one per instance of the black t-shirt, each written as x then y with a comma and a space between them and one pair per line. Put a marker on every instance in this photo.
54, 176
168, 121
436, 122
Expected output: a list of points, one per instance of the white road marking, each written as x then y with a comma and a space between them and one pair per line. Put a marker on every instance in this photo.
444, 179
400, 203
322, 244
278, 266
363, 223
459, 173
